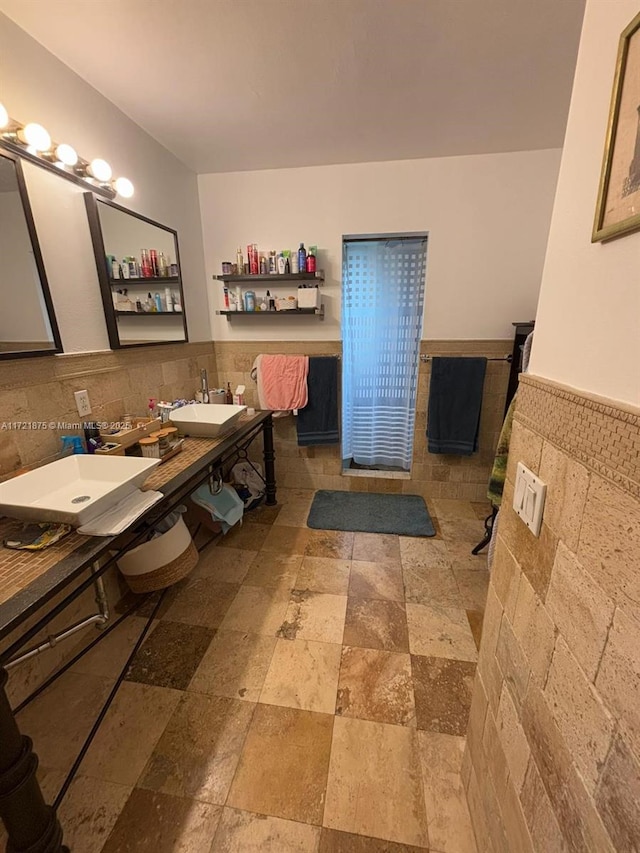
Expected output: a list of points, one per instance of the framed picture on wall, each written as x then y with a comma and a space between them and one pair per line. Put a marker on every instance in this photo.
618, 207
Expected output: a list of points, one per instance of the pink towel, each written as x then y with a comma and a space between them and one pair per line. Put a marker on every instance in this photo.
282, 381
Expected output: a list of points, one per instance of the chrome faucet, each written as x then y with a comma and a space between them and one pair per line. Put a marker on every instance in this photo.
204, 385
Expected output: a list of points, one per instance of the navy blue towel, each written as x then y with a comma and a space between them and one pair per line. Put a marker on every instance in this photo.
455, 402
317, 423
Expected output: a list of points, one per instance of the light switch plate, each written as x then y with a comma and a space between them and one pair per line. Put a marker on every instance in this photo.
529, 497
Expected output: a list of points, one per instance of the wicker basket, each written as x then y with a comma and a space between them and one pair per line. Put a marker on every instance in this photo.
160, 562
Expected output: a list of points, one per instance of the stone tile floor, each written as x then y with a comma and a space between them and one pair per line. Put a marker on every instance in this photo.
303, 690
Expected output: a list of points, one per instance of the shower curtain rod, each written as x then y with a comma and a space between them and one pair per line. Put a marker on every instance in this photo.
508, 358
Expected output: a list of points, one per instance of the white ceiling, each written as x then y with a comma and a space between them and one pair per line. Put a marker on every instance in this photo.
253, 84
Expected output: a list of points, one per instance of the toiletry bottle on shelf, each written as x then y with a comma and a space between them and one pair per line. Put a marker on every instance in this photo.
240, 261
311, 262
145, 266
225, 295
281, 263
115, 269
124, 269
158, 303
228, 397
302, 258
168, 305
163, 268
148, 304
295, 269
249, 301
264, 266
239, 299
273, 263
153, 258
287, 262
271, 303
264, 305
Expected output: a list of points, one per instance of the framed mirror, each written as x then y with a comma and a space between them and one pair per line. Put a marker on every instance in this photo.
138, 265
28, 324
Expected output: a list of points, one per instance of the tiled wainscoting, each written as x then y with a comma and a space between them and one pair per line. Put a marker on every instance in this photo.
553, 754
432, 476
40, 390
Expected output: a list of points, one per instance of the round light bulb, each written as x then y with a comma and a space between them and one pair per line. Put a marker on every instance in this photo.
124, 187
100, 170
36, 136
66, 154
4, 116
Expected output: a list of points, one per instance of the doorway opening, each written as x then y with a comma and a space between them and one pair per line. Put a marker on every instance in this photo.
383, 283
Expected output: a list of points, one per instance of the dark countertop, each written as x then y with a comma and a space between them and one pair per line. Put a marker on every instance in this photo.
29, 579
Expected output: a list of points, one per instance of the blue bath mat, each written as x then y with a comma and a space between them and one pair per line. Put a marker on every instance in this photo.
406, 515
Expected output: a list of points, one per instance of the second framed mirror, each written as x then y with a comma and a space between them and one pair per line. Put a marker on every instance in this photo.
138, 265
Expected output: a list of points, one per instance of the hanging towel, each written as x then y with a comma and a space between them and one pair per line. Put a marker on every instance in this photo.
282, 381
318, 422
455, 401
499, 470
225, 507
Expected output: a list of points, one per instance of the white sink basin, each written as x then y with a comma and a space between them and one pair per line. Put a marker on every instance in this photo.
73, 490
208, 419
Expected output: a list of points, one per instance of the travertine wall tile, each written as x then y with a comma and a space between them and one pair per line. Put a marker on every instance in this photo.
610, 542
495, 757
478, 817
534, 630
618, 796
487, 661
515, 825
535, 555
567, 483
117, 382
505, 577
526, 447
618, 679
512, 662
583, 721
558, 664
574, 809
539, 815
580, 608
513, 739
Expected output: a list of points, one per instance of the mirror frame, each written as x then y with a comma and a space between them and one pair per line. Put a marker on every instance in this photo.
97, 240
37, 254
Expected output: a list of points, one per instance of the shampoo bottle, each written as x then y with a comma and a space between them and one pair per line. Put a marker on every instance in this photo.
302, 258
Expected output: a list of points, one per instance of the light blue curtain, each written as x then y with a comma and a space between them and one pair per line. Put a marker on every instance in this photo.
382, 306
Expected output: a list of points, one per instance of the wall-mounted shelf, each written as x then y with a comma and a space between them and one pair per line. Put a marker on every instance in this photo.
282, 278
149, 313
122, 282
292, 312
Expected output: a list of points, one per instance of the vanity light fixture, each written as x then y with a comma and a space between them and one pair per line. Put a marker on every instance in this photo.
124, 187
33, 142
66, 155
100, 170
35, 136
